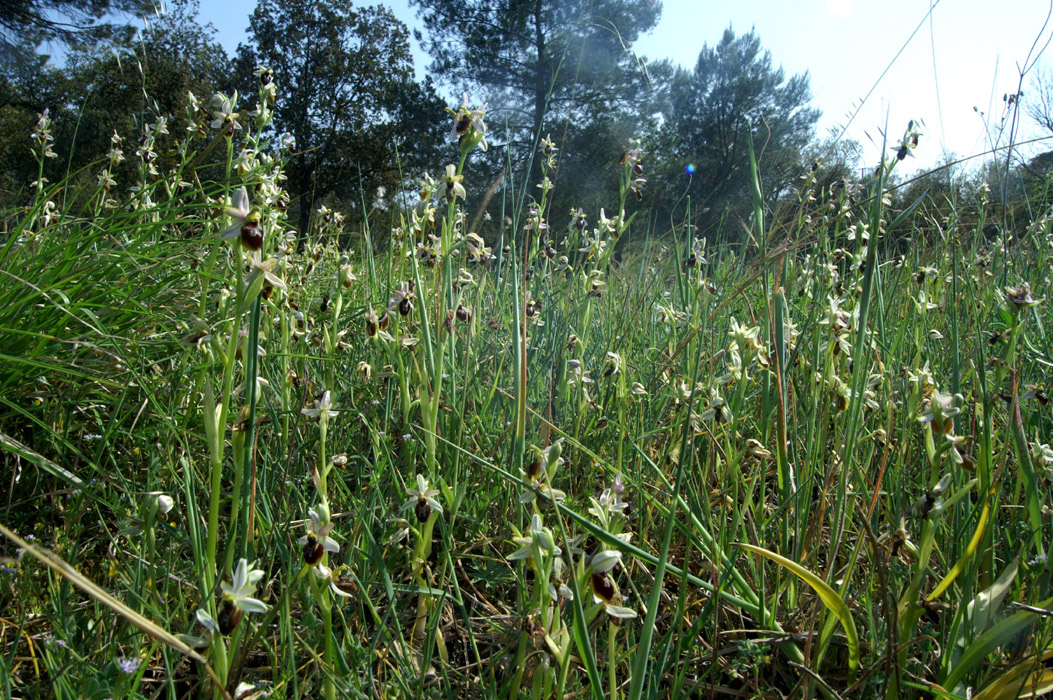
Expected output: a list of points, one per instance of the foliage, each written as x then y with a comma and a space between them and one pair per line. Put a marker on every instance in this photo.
26, 23
548, 67
27, 89
735, 91
241, 459
352, 103
108, 89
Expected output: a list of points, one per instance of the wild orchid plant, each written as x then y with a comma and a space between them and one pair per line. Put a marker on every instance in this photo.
864, 415
233, 348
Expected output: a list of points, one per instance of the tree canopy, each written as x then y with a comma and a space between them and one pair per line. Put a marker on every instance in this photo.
541, 63
735, 91
347, 96
106, 87
26, 23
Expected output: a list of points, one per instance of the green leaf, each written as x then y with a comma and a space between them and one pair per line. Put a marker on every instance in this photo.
982, 609
959, 566
990, 640
8, 443
833, 602
907, 212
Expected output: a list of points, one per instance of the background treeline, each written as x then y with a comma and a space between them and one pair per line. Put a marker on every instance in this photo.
362, 130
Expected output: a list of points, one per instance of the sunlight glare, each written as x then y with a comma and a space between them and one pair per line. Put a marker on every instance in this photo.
839, 8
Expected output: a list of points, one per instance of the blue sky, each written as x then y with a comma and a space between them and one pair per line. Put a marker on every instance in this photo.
964, 54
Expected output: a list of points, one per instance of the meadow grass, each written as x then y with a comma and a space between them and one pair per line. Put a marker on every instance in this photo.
610, 461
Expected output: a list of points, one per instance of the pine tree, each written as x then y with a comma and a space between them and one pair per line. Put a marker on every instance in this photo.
734, 91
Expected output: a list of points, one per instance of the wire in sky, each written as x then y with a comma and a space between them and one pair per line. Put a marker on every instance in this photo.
881, 77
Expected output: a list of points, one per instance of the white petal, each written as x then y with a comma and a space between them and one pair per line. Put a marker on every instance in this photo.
254, 576
241, 203
207, 621
240, 575
165, 503
605, 560
339, 591
620, 612
243, 689
522, 553
252, 605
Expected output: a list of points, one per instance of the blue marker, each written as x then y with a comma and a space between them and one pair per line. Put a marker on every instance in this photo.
689, 169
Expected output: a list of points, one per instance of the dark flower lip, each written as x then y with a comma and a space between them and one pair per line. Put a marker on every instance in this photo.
313, 551
535, 468
422, 511
229, 617
252, 235
603, 587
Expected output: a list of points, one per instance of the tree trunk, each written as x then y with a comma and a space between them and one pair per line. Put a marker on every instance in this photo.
304, 194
